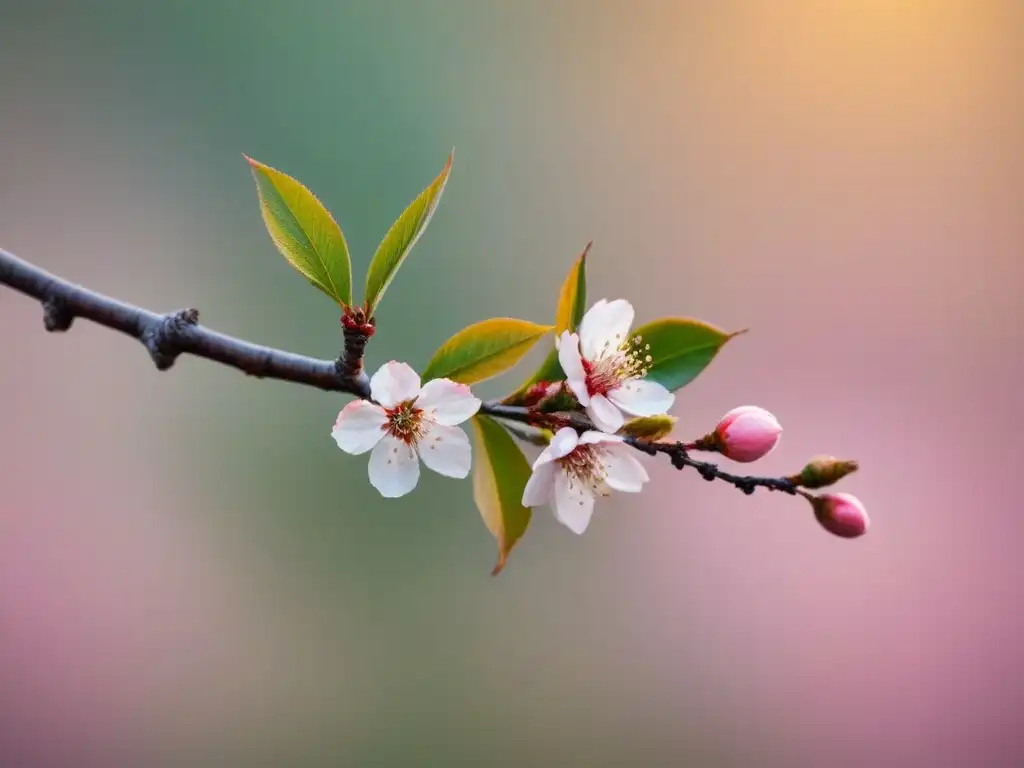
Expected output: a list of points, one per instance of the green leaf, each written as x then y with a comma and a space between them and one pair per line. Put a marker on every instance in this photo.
500, 472
572, 302
402, 237
484, 350
572, 299
304, 232
681, 348
649, 427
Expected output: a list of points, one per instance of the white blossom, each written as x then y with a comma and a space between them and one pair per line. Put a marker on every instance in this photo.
575, 469
407, 423
605, 368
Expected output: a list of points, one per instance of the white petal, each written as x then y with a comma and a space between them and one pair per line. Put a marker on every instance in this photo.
608, 326
574, 503
540, 487
641, 397
394, 468
446, 450
562, 444
359, 427
394, 383
590, 437
605, 416
572, 365
589, 325
447, 402
622, 470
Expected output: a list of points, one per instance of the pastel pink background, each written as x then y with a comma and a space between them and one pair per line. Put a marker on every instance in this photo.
191, 574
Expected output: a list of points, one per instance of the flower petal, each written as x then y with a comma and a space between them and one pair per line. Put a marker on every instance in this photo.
447, 402
394, 383
605, 416
445, 450
359, 427
562, 444
641, 397
394, 468
572, 364
540, 487
622, 471
591, 437
608, 326
590, 324
574, 503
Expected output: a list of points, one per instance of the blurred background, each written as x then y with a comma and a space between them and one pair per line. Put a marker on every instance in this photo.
191, 573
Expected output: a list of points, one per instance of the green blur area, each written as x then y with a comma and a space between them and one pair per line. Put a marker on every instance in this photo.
391, 643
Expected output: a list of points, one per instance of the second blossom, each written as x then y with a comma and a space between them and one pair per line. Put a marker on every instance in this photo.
605, 368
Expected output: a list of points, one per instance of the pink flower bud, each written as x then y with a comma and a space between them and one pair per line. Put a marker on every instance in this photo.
841, 514
747, 433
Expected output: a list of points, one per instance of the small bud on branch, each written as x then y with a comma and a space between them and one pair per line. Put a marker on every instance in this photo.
841, 514
822, 471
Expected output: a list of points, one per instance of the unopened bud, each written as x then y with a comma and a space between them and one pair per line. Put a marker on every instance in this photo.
841, 514
824, 470
746, 434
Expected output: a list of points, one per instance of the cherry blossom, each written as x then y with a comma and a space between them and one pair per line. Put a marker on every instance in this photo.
575, 469
405, 424
605, 368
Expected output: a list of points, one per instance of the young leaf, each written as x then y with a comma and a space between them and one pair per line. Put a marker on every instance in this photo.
484, 350
649, 427
500, 473
572, 299
572, 302
402, 237
304, 232
681, 348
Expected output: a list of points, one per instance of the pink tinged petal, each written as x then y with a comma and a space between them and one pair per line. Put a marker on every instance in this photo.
394, 468
394, 383
622, 470
447, 402
608, 328
359, 427
604, 414
640, 397
574, 503
540, 487
446, 450
572, 366
562, 444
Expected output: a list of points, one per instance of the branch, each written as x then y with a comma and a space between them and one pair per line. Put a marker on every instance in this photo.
166, 336
681, 458
676, 452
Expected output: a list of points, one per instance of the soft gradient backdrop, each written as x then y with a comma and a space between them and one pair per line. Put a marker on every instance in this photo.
191, 573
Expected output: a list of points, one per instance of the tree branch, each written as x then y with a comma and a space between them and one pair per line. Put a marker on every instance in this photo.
680, 458
166, 336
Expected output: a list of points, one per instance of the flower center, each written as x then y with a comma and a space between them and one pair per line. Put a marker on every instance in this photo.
584, 466
629, 360
405, 422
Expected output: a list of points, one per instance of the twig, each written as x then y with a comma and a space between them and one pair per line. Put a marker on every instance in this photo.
166, 336
680, 458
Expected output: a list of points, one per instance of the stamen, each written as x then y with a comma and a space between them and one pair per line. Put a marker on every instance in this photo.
584, 466
612, 367
405, 422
